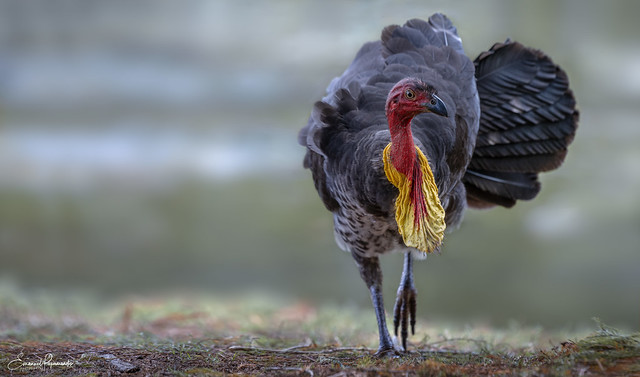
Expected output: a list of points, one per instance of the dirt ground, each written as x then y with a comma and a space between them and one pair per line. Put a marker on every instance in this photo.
214, 358
196, 337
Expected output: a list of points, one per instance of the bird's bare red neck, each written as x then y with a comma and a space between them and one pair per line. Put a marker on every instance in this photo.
404, 159
403, 150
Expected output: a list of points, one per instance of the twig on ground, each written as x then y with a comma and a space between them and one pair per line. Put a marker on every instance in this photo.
307, 370
295, 350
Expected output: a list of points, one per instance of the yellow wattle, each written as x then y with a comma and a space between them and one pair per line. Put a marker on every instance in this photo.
427, 232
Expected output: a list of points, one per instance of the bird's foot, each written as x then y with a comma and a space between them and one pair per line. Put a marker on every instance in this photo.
387, 352
404, 312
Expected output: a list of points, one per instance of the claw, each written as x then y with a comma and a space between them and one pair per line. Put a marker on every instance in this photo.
404, 313
412, 311
387, 352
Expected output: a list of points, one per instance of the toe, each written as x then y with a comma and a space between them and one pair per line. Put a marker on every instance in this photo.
386, 352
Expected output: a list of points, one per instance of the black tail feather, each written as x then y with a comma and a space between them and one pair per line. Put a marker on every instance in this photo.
500, 188
528, 119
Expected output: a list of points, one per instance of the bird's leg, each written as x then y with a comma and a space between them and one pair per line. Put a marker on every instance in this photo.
372, 275
405, 309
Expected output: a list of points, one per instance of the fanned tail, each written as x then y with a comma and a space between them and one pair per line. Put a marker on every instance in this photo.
528, 118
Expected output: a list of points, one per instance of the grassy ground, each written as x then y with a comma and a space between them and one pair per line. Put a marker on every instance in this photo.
204, 336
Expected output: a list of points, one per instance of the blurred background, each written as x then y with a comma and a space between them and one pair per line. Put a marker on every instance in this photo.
150, 146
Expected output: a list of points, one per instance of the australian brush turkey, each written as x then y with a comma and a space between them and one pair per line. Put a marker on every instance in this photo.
414, 132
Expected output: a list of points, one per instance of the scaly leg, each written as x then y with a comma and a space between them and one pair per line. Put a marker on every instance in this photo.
372, 275
405, 308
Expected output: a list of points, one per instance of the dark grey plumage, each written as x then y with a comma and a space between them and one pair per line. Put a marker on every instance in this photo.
348, 130
497, 136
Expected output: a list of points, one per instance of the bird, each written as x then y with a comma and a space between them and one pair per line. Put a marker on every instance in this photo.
413, 133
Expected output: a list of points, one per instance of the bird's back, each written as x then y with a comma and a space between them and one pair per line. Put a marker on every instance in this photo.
348, 130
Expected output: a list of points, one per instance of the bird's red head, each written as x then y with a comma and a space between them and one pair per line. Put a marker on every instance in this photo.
410, 97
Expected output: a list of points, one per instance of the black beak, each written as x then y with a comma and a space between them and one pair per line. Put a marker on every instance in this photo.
436, 106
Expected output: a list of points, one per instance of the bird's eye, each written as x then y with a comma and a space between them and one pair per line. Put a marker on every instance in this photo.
433, 102
409, 94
